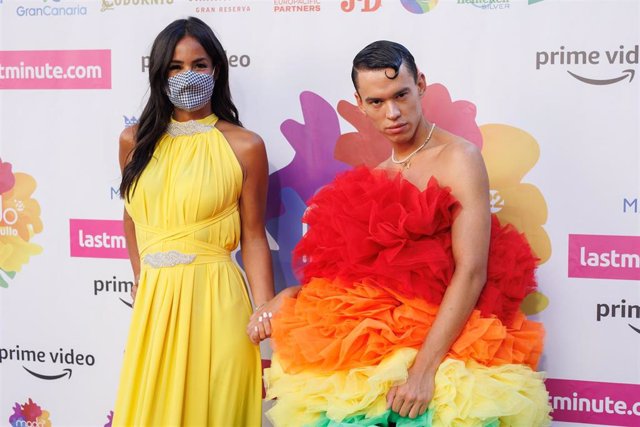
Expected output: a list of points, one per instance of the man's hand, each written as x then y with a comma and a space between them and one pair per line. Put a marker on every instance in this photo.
412, 398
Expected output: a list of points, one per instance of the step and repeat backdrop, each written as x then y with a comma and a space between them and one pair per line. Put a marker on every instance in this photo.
547, 88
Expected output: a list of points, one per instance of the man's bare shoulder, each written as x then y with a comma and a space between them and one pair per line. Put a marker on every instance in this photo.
458, 150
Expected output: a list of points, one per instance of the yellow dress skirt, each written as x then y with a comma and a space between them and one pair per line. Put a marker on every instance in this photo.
188, 361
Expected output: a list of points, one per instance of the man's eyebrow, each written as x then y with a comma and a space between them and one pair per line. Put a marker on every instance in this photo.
371, 99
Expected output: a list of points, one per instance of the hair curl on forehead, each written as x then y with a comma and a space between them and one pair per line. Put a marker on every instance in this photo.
383, 55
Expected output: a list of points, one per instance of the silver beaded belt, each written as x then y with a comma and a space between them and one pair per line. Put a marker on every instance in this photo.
167, 259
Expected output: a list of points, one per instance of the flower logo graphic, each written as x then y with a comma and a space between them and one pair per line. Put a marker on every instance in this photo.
509, 154
313, 166
19, 221
29, 414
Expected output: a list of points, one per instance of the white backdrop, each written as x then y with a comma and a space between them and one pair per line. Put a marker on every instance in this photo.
561, 148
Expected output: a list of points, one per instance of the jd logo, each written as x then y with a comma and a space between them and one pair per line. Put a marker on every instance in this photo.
367, 5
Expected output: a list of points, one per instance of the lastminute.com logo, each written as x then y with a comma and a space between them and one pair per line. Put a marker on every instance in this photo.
593, 67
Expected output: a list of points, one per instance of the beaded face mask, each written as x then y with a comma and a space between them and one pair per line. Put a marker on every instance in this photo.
190, 91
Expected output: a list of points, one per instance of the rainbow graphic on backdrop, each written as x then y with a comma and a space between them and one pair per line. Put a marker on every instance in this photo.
419, 6
19, 221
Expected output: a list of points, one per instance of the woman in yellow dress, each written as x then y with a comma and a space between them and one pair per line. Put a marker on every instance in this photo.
194, 183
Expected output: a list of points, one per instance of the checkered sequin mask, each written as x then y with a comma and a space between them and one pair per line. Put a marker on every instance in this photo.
190, 91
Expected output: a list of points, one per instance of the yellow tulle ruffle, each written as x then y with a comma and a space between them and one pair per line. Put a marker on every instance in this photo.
466, 395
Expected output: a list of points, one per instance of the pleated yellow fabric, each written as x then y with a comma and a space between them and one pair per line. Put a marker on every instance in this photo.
188, 361
467, 394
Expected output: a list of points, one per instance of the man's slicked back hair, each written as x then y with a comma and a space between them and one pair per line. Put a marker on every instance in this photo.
382, 55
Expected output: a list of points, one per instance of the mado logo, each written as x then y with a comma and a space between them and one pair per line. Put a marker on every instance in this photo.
55, 69
604, 257
419, 6
95, 238
595, 403
19, 221
29, 414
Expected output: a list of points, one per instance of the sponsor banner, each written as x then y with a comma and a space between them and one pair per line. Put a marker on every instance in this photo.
610, 404
623, 310
55, 69
235, 61
106, 5
221, 6
46, 365
360, 5
110, 286
604, 257
97, 238
487, 4
301, 6
56, 10
593, 67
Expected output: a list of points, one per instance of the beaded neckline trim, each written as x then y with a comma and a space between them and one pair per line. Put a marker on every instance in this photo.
191, 127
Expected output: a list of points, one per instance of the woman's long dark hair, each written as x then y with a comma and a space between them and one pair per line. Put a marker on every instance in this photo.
157, 113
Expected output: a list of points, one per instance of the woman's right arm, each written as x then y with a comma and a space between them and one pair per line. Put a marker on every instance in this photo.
127, 142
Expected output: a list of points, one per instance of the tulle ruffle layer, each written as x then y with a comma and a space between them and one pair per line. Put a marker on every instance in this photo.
331, 327
466, 394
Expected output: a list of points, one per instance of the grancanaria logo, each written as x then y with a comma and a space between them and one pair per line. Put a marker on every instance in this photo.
322, 151
19, 221
29, 414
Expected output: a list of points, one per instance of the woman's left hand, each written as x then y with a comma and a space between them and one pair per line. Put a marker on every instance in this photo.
259, 327
412, 398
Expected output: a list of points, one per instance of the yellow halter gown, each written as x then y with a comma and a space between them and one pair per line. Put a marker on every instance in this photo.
188, 361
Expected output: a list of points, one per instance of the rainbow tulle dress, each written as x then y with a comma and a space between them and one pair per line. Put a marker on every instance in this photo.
377, 260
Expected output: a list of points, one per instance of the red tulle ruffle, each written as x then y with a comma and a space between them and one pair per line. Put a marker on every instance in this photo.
368, 225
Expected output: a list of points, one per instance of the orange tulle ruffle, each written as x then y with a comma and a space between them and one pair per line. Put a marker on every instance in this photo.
331, 327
